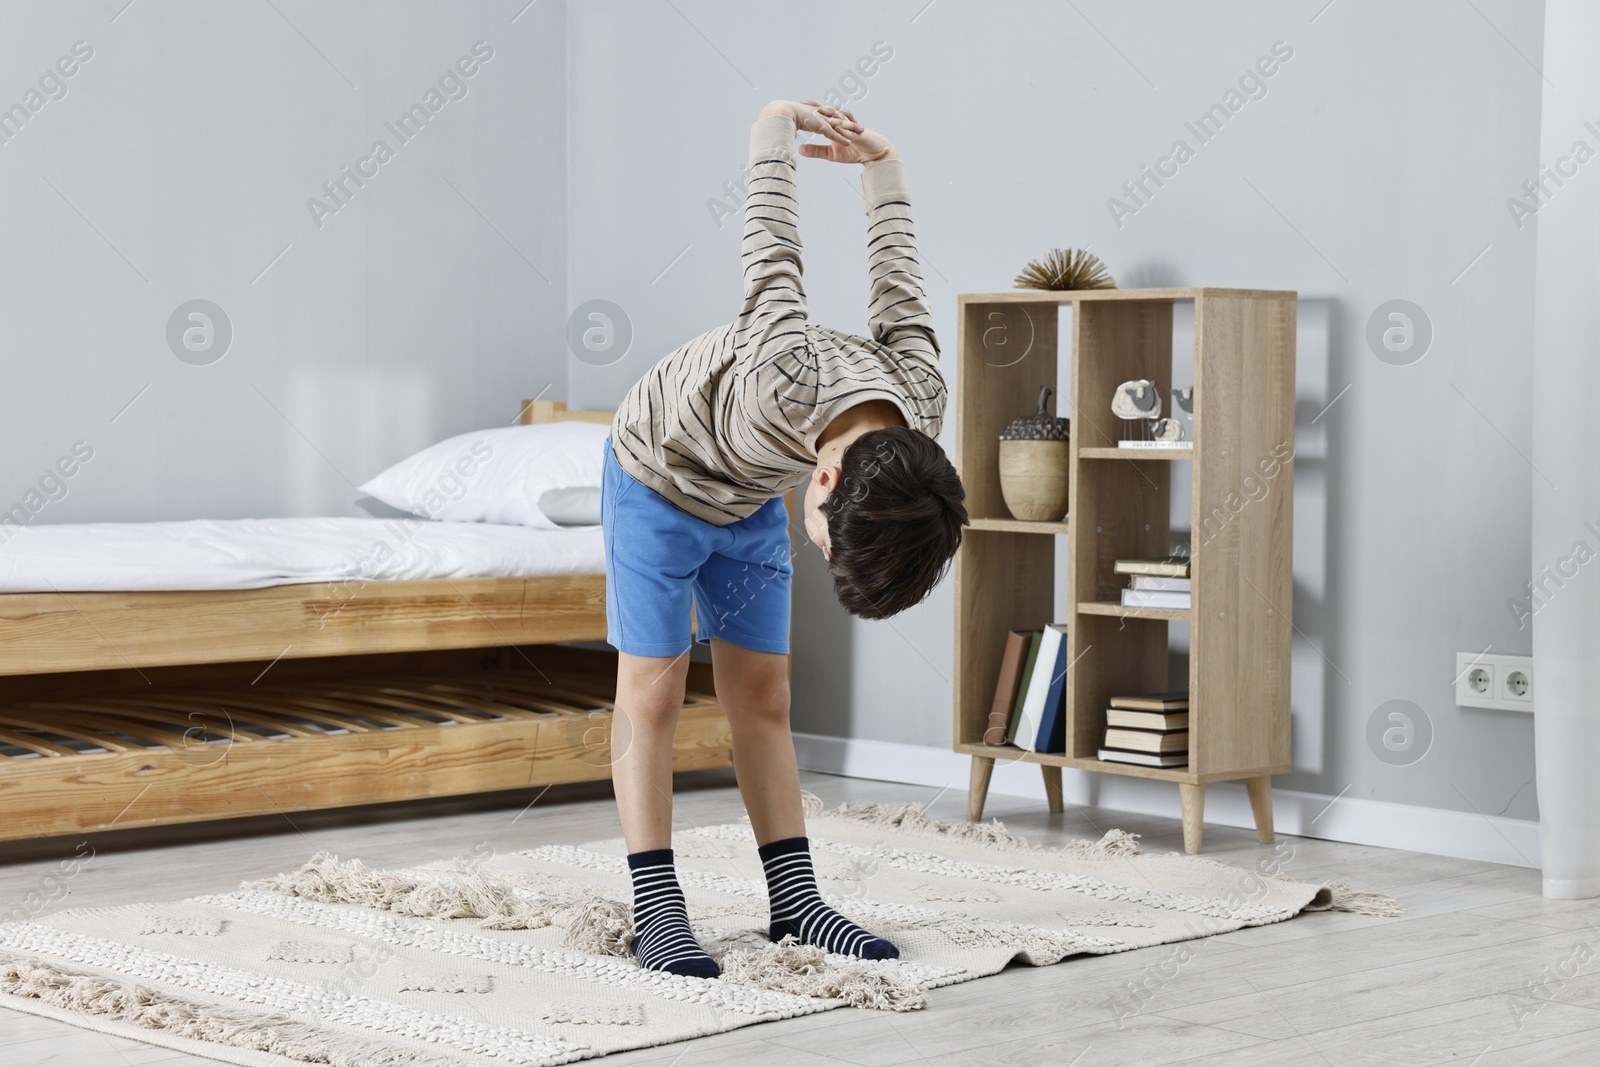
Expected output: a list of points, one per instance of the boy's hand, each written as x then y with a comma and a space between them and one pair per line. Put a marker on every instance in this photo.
849, 141
857, 144
806, 116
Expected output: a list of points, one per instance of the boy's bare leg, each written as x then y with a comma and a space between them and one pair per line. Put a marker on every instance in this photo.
753, 689
649, 694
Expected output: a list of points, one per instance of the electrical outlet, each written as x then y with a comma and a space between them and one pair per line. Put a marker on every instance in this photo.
1503, 683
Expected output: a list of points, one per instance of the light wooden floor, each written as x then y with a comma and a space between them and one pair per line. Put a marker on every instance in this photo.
1456, 980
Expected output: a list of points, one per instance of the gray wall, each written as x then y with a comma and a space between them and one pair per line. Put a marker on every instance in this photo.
1375, 167
178, 166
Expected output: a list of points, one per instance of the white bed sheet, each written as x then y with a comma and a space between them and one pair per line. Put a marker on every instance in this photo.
253, 553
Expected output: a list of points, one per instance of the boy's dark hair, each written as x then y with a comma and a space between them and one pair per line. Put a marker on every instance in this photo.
894, 521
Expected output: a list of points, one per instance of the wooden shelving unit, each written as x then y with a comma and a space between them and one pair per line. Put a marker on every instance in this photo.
1121, 506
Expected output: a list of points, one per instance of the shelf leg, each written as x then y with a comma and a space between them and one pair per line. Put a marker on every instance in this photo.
1192, 798
1261, 805
978, 788
1052, 786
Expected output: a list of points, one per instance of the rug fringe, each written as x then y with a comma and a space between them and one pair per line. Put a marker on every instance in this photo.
1113, 843
148, 1009
599, 926
912, 817
470, 894
1341, 896
591, 923
789, 967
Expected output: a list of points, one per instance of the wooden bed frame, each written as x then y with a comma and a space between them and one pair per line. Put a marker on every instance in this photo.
145, 708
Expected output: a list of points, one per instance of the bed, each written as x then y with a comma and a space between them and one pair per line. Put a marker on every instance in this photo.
233, 554
236, 670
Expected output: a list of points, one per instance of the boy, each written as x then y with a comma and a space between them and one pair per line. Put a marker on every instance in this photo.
701, 453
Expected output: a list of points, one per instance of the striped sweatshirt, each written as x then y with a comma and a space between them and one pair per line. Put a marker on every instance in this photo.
731, 419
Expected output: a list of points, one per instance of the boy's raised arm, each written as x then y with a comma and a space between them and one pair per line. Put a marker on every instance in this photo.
773, 316
897, 306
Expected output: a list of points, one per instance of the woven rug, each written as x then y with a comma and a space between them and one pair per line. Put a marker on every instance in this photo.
522, 960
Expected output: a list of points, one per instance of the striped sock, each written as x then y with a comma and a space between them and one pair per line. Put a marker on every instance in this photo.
798, 908
662, 939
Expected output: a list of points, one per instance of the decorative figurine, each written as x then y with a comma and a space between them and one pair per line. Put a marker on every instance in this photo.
1167, 430
1136, 400
1065, 268
1183, 399
1138, 405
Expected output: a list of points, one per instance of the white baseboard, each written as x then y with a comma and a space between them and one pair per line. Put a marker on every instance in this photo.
1442, 832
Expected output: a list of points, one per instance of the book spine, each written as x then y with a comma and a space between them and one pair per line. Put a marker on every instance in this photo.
1005, 690
1028, 666
1153, 598
1052, 725
1155, 582
1035, 707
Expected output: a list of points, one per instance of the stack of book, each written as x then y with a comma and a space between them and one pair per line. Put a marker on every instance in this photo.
1029, 709
1156, 583
1151, 730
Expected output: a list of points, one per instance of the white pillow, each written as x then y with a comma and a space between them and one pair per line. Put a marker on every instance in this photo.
579, 506
495, 475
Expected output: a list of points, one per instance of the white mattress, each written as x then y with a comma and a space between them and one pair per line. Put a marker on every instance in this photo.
252, 553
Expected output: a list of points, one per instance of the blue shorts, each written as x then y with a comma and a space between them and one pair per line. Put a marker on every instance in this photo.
660, 559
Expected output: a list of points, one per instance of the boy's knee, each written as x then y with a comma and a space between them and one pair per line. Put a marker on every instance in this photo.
766, 701
653, 706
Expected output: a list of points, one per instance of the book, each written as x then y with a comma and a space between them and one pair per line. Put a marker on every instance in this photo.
1147, 740
1012, 662
1147, 720
1044, 669
1155, 598
1052, 736
1034, 637
1152, 581
1153, 701
1167, 567
1145, 759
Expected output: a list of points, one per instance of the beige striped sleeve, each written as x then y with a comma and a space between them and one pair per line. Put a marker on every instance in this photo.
773, 317
897, 311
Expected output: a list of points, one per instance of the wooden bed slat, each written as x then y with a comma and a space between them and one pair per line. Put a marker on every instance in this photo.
285, 709
380, 702
566, 691
443, 697
531, 702
389, 700
211, 708
128, 727
591, 690
35, 744
169, 718
345, 710
89, 737
489, 696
